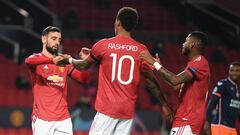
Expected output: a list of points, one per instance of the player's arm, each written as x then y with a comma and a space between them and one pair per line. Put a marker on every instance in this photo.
217, 93
85, 61
37, 60
80, 64
155, 88
211, 106
174, 80
170, 77
81, 76
209, 113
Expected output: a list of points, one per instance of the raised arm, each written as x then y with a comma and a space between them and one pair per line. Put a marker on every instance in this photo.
171, 78
80, 64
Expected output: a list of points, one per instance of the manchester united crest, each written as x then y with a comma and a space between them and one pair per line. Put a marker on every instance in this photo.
62, 69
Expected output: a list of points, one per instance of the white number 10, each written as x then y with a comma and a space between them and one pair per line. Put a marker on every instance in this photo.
119, 72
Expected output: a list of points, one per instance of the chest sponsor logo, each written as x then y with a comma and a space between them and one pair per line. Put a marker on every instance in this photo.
235, 104
55, 78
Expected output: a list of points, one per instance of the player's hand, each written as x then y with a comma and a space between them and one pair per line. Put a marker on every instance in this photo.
207, 128
84, 53
167, 112
145, 55
61, 59
157, 59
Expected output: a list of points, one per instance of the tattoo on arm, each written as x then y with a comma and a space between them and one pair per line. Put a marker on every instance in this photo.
82, 64
174, 79
154, 87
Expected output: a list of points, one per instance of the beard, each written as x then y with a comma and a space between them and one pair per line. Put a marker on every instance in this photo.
51, 50
185, 51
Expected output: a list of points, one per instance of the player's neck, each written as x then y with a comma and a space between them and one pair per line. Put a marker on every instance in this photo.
234, 81
124, 34
193, 55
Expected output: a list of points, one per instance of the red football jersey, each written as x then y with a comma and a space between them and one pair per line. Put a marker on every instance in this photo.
50, 87
193, 95
119, 75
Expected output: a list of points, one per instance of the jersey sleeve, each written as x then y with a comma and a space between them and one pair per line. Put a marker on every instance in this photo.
81, 76
37, 59
145, 67
197, 70
97, 51
219, 89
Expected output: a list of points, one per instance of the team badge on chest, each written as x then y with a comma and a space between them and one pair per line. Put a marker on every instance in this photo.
61, 69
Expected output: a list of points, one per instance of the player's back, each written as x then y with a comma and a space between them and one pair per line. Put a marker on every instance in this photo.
119, 75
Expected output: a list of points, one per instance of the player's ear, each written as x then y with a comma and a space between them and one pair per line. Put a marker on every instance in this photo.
118, 23
44, 39
192, 44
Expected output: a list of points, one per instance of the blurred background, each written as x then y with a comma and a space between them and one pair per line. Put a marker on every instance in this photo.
163, 26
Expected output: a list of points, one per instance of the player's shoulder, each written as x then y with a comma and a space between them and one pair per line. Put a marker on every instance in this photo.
36, 55
223, 82
139, 44
201, 61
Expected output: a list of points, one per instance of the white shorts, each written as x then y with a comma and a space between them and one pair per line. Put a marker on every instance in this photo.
185, 130
105, 125
42, 127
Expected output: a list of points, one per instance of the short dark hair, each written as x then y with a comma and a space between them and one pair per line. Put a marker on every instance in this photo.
50, 29
128, 17
202, 37
235, 63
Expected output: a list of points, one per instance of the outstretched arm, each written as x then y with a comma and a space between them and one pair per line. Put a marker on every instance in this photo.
81, 64
170, 77
37, 60
155, 88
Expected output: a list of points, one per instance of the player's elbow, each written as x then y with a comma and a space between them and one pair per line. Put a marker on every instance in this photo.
27, 61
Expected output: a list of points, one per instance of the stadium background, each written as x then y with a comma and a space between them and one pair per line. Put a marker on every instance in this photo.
163, 26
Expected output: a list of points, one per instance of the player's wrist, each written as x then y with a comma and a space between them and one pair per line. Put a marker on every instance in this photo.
157, 66
70, 60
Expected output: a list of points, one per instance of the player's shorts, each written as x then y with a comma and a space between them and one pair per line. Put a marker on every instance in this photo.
222, 130
42, 127
105, 125
185, 130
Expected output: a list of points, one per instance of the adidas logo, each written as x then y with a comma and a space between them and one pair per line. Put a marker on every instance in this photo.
45, 67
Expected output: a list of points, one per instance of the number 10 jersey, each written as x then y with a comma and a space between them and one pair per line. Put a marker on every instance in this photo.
119, 75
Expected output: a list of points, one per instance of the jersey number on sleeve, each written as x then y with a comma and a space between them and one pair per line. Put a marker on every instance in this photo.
119, 71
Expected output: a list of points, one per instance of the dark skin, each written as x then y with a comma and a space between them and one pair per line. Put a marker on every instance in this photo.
149, 76
234, 74
191, 48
